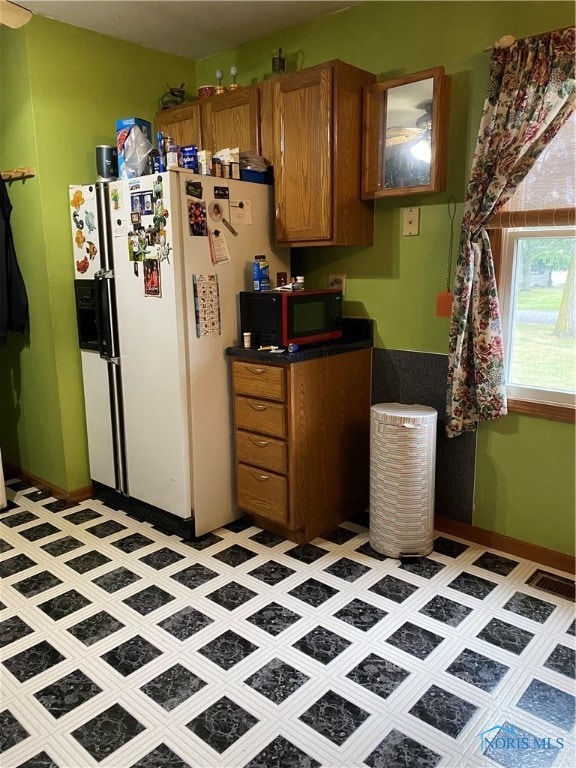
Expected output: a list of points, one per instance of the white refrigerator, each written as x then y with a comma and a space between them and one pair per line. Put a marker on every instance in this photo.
159, 261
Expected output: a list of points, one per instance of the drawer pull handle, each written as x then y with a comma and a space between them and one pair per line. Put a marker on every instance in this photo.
261, 478
257, 407
259, 443
257, 371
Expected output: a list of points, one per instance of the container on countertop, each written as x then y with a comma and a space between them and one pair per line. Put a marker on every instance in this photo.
261, 273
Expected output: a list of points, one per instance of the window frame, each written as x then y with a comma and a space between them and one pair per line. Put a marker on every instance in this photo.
497, 232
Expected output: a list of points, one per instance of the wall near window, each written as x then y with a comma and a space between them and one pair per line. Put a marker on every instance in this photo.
525, 480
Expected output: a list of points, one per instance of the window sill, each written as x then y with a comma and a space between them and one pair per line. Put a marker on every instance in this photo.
543, 410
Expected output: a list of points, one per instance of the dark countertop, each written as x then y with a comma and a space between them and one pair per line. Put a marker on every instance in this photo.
357, 333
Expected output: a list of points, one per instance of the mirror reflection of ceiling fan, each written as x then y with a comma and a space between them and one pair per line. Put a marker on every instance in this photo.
402, 134
12, 15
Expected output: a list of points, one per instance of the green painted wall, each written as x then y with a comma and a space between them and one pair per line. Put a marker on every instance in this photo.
29, 405
62, 90
55, 109
525, 481
396, 280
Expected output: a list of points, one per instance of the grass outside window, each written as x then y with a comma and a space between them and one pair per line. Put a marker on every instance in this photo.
541, 357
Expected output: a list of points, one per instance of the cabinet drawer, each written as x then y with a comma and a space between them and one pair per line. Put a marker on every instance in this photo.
259, 380
261, 451
260, 416
262, 493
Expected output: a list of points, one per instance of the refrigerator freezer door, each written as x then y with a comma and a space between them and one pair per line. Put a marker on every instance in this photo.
85, 230
89, 209
152, 349
98, 418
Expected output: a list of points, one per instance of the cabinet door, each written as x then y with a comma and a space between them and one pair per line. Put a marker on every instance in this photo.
232, 120
303, 162
182, 123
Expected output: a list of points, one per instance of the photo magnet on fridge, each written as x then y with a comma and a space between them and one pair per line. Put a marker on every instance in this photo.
77, 200
133, 246
91, 250
215, 210
138, 245
157, 188
136, 203
152, 278
163, 249
240, 212
82, 265
197, 218
90, 221
194, 189
221, 193
116, 197
119, 227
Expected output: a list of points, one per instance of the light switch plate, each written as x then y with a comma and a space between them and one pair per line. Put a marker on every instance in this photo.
410, 221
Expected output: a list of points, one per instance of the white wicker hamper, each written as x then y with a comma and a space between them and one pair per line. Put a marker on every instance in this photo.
402, 466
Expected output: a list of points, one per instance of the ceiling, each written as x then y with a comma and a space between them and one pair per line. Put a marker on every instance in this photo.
190, 28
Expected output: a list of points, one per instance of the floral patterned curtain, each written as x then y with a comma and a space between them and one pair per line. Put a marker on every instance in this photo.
531, 94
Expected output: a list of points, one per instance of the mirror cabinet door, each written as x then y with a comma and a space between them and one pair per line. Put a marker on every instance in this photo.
405, 135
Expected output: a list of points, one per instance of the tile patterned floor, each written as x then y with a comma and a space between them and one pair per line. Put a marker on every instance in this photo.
126, 647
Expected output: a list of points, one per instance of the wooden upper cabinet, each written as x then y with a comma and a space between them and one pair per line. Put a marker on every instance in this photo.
303, 167
317, 136
308, 124
182, 123
232, 119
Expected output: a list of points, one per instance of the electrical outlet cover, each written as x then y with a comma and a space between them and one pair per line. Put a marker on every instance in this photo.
337, 281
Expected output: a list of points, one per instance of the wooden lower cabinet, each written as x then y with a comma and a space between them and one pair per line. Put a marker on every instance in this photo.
302, 437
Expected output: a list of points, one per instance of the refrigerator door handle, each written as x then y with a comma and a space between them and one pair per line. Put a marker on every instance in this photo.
98, 309
103, 314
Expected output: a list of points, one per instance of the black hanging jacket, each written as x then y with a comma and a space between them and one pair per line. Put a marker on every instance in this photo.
13, 298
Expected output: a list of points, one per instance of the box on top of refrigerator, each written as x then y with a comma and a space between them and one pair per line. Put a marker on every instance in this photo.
128, 122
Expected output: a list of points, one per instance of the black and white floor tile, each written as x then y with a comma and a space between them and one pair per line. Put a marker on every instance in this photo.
125, 647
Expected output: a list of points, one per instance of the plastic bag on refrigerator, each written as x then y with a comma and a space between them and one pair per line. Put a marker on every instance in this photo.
134, 153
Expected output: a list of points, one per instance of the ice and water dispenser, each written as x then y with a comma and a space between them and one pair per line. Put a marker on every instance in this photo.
85, 293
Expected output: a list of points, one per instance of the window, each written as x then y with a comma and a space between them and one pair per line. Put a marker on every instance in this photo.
538, 313
534, 244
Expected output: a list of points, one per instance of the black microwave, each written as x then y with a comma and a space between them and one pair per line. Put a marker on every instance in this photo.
291, 317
